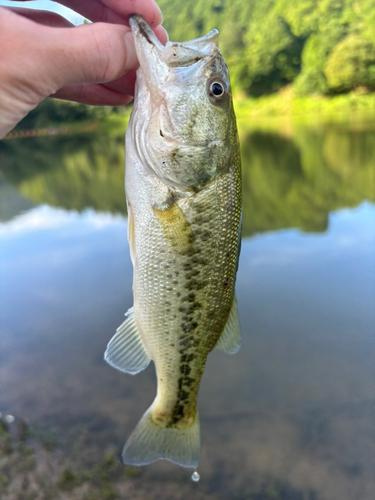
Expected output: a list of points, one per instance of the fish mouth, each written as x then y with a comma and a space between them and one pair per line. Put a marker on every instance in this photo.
154, 55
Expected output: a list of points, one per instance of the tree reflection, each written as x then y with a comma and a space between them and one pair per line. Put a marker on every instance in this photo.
80, 172
287, 181
296, 182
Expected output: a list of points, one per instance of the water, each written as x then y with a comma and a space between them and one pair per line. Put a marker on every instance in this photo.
290, 416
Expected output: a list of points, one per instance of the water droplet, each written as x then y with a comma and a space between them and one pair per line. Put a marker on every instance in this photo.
9, 419
195, 476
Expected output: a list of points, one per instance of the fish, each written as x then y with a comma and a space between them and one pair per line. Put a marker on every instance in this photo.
183, 191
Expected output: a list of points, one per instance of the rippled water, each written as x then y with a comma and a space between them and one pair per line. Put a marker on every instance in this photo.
290, 416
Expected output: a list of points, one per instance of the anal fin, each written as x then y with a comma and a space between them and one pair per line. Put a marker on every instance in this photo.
126, 350
230, 339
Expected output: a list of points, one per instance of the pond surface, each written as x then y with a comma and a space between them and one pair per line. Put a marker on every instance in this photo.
290, 416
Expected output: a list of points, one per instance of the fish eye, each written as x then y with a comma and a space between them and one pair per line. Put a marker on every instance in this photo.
217, 90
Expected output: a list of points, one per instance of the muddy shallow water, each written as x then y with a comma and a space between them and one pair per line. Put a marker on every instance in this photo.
290, 416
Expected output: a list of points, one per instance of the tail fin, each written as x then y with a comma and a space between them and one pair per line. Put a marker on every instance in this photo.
150, 442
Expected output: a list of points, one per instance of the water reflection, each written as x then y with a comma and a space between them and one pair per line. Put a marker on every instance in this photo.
296, 182
288, 417
287, 181
73, 173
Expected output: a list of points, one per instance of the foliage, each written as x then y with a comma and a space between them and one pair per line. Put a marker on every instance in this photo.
270, 43
351, 64
273, 53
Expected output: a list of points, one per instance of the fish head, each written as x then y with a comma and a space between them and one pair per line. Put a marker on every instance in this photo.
186, 125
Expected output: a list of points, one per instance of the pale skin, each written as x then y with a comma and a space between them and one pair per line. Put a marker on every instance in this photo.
42, 54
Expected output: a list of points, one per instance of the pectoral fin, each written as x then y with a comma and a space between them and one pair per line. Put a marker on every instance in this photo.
230, 340
174, 225
126, 350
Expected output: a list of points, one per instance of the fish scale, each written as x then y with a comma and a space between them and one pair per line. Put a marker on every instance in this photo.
183, 188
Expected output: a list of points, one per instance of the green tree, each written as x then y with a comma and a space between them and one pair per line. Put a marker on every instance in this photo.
272, 54
351, 64
271, 43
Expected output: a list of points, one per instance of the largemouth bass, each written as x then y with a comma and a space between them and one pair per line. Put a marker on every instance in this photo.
183, 189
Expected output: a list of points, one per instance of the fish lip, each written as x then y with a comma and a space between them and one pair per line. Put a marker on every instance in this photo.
139, 27
149, 51
204, 40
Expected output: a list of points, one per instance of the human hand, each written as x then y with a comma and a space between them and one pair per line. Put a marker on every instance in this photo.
42, 54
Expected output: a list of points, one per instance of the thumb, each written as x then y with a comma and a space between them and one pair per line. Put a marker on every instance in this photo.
94, 53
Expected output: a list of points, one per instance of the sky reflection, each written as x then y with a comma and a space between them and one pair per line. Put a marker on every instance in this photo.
294, 407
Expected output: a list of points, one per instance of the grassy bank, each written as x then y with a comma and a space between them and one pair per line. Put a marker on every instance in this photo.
342, 108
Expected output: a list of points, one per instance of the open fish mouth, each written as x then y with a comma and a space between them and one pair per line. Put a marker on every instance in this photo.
172, 54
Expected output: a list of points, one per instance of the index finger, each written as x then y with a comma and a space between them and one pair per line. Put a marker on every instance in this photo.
42, 17
116, 11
